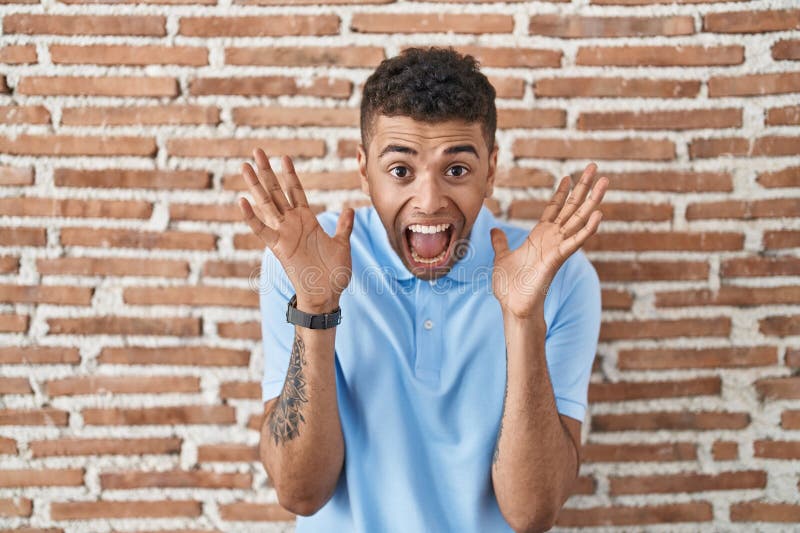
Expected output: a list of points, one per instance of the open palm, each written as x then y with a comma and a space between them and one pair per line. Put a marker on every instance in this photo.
521, 278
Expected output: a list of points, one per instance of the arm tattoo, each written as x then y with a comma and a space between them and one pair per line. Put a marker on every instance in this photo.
502, 415
284, 421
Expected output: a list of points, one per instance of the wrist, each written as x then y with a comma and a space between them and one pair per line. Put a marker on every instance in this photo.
316, 306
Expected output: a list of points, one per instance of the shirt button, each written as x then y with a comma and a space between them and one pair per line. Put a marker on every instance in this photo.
428, 324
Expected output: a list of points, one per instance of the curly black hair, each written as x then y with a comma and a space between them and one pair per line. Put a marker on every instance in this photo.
430, 85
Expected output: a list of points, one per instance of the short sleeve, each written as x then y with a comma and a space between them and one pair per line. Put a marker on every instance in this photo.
277, 335
571, 340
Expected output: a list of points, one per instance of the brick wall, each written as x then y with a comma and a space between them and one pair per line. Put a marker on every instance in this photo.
129, 395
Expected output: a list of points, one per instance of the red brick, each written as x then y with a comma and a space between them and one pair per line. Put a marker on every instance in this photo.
10, 385
631, 149
665, 241
635, 516
661, 120
313, 2
46, 416
519, 177
765, 512
531, 118
125, 325
584, 485
239, 330
673, 421
106, 385
192, 295
786, 49
780, 326
159, 416
65, 477
296, 116
730, 295
725, 451
9, 265
792, 358
642, 390
309, 180
98, 266
622, 453
71, 447
128, 55
32, 355
205, 212
681, 358
133, 179
781, 239
661, 56
259, 26
229, 453
165, 2
8, 447
230, 269
73, 145
687, 483
666, 328
50, 294
700, 148
754, 84
152, 26
615, 87
230, 148
787, 388
73, 207
508, 87
149, 115
512, 57
758, 266
250, 390
628, 211
271, 86
751, 21
180, 356
776, 449
431, 23
86, 510
790, 419
260, 512
175, 479
570, 26
10, 176
668, 181
633, 270
295, 56
16, 54
123, 238
98, 86
783, 116
14, 507
24, 115
616, 299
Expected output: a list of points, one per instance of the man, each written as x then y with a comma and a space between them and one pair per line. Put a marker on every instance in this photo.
438, 380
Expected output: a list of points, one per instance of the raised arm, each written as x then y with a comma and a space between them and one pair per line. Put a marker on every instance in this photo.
302, 447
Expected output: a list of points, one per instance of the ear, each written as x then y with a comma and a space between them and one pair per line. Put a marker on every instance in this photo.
492, 171
361, 155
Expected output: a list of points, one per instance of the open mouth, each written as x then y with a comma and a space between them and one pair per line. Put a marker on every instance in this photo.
429, 246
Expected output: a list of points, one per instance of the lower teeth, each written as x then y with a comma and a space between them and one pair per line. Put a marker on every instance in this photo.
428, 260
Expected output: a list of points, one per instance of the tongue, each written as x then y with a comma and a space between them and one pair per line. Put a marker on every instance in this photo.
428, 245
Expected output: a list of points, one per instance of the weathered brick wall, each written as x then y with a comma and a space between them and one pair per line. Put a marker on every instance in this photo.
129, 395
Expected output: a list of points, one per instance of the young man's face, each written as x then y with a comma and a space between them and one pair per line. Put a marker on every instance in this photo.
427, 183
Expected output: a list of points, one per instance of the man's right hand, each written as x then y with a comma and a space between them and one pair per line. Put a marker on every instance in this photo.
318, 266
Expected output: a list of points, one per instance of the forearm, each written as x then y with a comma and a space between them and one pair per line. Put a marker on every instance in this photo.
535, 461
302, 446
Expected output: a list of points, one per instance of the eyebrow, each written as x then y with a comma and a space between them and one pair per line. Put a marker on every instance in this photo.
451, 150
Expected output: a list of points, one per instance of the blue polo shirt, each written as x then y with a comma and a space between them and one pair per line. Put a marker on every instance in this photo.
420, 378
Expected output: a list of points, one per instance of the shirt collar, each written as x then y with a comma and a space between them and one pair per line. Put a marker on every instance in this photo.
477, 261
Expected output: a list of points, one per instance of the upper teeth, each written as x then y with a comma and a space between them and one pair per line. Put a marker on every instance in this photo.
419, 228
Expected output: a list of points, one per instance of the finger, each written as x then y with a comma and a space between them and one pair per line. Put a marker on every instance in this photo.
344, 226
556, 201
268, 180
569, 246
581, 217
578, 194
499, 242
267, 235
292, 184
264, 204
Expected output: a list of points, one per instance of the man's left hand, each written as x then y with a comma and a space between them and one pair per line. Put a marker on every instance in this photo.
521, 277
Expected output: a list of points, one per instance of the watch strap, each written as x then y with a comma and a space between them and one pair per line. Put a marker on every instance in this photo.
312, 321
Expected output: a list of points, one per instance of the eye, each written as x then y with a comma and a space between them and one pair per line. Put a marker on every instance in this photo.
459, 174
403, 174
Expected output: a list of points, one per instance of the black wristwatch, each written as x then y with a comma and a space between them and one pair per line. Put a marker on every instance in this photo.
307, 320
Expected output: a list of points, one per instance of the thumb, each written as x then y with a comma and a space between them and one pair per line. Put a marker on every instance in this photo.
499, 242
344, 226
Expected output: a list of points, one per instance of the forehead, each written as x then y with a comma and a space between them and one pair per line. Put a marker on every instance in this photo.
424, 135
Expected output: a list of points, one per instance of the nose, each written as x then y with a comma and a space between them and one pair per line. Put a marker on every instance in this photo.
429, 195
